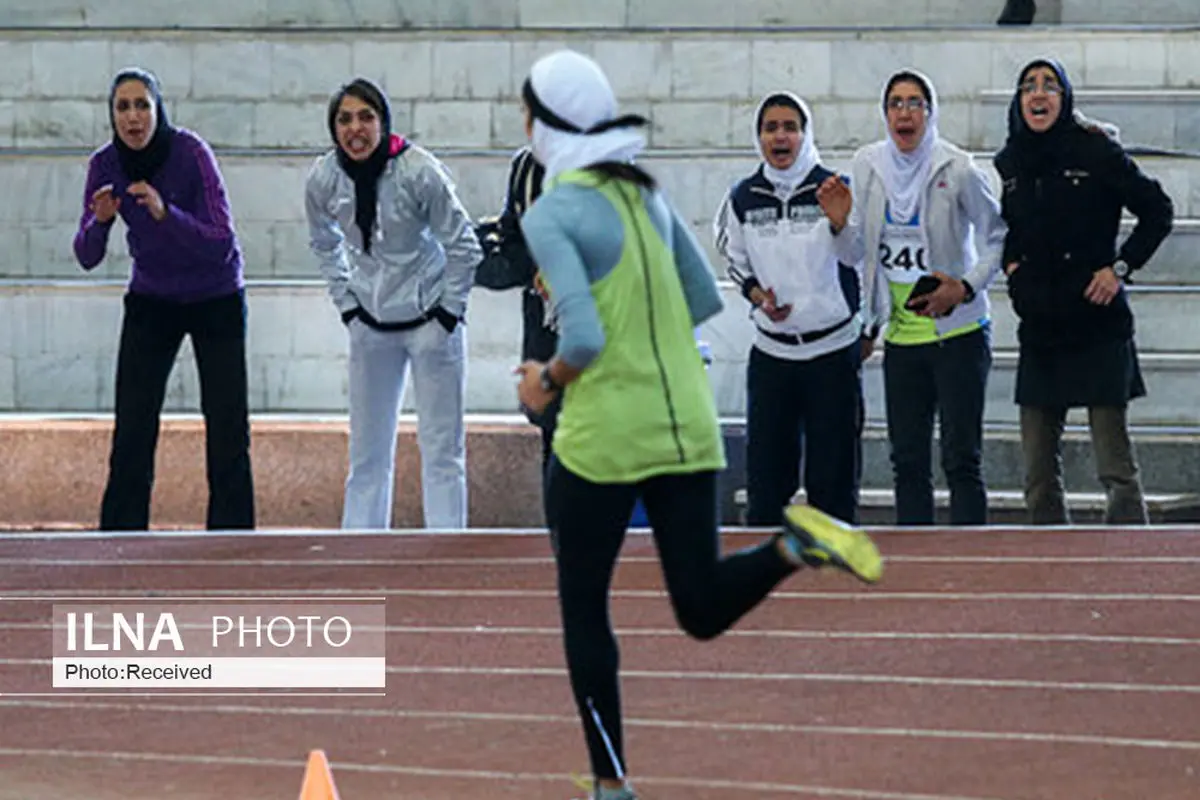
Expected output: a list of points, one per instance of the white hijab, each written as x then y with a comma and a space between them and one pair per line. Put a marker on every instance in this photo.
573, 88
787, 180
906, 174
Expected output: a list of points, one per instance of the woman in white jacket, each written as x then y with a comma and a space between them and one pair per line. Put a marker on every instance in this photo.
399, 254
918, 202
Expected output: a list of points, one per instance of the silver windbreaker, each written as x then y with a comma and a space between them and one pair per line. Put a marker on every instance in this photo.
423, 249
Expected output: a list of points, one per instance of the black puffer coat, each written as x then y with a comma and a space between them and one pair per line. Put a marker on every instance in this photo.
1063, 194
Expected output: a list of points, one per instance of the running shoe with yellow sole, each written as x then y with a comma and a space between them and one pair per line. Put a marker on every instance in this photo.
821, 540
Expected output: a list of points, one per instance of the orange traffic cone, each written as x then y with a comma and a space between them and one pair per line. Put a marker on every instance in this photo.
318, 779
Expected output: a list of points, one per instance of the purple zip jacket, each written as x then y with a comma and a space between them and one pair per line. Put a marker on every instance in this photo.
193, 253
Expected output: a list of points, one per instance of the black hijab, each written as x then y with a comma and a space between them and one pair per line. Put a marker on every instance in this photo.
1039, 152
144, 164
365, 173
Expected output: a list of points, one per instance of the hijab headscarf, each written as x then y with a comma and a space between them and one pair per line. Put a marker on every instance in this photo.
905, 175
575, 121
1039, 152
787, 180
365, 173
144, 164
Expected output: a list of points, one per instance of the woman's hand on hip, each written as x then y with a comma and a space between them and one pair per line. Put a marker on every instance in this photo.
1104, 287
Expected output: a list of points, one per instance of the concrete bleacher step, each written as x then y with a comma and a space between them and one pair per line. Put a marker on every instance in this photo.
1165, 118
1172, 381
1169, 457
1122, 12
535, 14
1007, 506
699, 87
58, 343
267, 192
1169, 461
1166, 317
1148, 116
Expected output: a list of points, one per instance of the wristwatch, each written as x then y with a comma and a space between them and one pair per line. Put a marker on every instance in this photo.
1121, 268
548, 384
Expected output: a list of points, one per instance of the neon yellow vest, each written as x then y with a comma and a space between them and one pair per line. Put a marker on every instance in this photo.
904, 326
644, 406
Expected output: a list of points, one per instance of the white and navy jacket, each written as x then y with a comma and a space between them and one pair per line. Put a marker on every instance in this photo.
788, 246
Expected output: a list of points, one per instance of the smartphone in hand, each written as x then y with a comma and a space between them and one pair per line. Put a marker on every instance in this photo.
926, 284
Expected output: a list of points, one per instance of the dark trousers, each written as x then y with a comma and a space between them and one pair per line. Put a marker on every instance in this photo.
946, 380
1116, 465
806, 412
708, 593
152, 332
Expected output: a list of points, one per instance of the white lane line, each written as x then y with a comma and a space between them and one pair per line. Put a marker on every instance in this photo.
743, 677
266, 533
1071, 531
752, 788
663, 724
763, 633
294, 562
1088, 560
905, 680
368, 593
819, 635
522, 561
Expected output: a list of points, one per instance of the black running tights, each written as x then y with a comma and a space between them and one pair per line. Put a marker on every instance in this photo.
708, 593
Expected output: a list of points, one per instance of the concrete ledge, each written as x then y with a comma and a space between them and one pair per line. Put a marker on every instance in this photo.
56, 466
56, 470
1007, 506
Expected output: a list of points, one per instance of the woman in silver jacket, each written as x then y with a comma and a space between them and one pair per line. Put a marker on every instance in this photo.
917, 201
398, 252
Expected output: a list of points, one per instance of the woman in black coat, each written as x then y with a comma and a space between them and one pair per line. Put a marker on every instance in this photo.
1065, 185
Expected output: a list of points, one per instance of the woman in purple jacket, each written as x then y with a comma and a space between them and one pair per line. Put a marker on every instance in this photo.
186, 280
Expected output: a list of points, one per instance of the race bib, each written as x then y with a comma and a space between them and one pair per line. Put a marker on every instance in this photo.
902, 253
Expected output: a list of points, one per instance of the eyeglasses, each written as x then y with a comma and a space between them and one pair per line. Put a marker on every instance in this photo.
1049, 87
911, 103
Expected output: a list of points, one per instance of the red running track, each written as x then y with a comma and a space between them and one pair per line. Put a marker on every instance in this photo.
1003, 664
